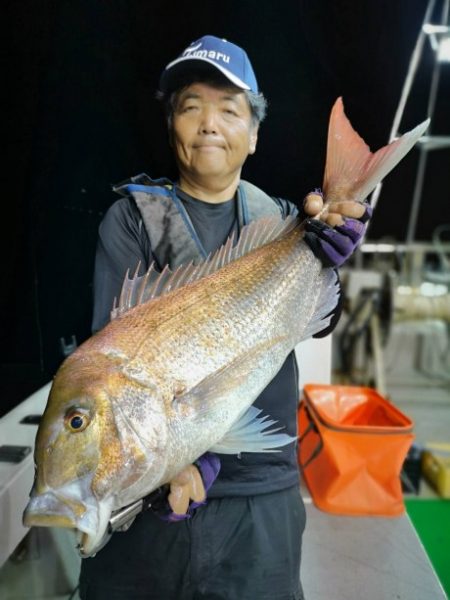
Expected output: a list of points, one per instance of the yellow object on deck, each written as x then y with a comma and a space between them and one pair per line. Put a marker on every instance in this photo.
436, 467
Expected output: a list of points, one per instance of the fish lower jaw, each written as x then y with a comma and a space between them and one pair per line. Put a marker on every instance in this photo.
88, 545
92, 529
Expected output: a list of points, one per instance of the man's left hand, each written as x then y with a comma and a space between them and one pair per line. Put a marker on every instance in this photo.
189, 488
334, 236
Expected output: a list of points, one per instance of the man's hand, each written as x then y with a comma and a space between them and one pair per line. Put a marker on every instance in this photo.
188, 489
335, 211
334, 233
186, 486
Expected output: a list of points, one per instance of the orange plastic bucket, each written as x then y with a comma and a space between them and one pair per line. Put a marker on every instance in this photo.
352, 445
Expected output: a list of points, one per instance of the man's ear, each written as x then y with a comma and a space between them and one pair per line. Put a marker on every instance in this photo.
253, 139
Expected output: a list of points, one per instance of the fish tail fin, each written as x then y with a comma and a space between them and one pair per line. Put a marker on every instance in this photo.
352, 171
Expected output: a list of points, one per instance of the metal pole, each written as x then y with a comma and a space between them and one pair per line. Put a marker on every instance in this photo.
413, 63
420, 177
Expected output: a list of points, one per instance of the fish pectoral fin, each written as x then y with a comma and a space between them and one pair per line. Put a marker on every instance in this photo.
186, 486
252, 433
209, 394
248, 431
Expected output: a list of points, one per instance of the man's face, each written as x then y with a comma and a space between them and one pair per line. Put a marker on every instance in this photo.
212, 132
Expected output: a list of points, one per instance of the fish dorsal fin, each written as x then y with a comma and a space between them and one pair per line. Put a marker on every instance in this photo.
154, 284
352, 171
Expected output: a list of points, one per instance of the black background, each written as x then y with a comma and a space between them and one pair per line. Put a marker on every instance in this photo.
80, 76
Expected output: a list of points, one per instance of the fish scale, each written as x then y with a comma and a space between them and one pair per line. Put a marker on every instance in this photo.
237, 307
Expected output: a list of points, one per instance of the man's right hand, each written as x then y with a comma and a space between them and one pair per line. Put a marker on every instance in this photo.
335, 234
336, 212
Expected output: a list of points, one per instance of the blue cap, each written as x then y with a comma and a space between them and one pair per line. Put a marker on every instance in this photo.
220, 54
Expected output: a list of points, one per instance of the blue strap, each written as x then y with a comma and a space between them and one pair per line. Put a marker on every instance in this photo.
139, 182
147, 189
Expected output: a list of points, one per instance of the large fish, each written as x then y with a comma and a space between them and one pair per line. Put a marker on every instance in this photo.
175, 373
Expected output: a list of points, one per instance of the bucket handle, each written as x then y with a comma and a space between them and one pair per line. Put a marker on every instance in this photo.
311, 427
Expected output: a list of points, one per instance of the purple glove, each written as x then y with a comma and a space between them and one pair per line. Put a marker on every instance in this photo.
209, 466
333, 245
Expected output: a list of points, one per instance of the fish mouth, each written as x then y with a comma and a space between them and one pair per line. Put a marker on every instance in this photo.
89, 518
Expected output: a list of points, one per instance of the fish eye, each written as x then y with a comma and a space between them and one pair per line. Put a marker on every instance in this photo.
77, 421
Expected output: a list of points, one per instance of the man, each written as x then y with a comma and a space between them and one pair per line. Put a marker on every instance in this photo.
245, 543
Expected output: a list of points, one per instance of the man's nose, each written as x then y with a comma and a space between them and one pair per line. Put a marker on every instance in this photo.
208, 122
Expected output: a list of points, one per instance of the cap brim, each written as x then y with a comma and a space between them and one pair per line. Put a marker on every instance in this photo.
181, 65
